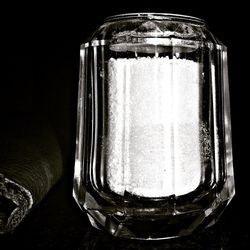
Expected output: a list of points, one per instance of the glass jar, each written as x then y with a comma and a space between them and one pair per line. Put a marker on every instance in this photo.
153, 148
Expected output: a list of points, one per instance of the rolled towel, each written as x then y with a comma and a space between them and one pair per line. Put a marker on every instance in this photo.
30, 164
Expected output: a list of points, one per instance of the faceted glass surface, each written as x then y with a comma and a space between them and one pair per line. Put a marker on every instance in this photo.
153, 149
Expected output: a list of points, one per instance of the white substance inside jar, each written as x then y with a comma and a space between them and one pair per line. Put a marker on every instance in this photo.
153, 138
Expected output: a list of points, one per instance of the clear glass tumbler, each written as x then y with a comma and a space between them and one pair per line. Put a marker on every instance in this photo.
153, 148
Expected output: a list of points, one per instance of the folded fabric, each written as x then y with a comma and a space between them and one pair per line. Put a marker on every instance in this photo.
30, 164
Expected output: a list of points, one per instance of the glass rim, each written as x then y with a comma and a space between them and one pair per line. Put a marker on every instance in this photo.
156, 16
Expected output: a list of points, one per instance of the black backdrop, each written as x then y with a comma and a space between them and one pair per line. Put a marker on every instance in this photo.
40, 62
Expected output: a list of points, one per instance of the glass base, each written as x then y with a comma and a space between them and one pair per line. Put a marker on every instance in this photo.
151, 223
150, 229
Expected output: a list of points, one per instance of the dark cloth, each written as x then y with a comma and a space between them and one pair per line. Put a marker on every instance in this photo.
30, 164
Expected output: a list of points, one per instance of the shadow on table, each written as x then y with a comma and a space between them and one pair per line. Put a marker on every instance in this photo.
209, 239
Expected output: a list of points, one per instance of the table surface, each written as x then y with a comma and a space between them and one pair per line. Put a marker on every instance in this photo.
58, 223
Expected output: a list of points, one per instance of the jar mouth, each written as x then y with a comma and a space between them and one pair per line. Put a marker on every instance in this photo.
156, 16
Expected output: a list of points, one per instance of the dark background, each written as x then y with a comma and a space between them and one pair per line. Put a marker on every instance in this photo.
40, 62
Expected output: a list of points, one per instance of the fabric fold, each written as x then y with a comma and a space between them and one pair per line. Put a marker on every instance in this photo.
30, 164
